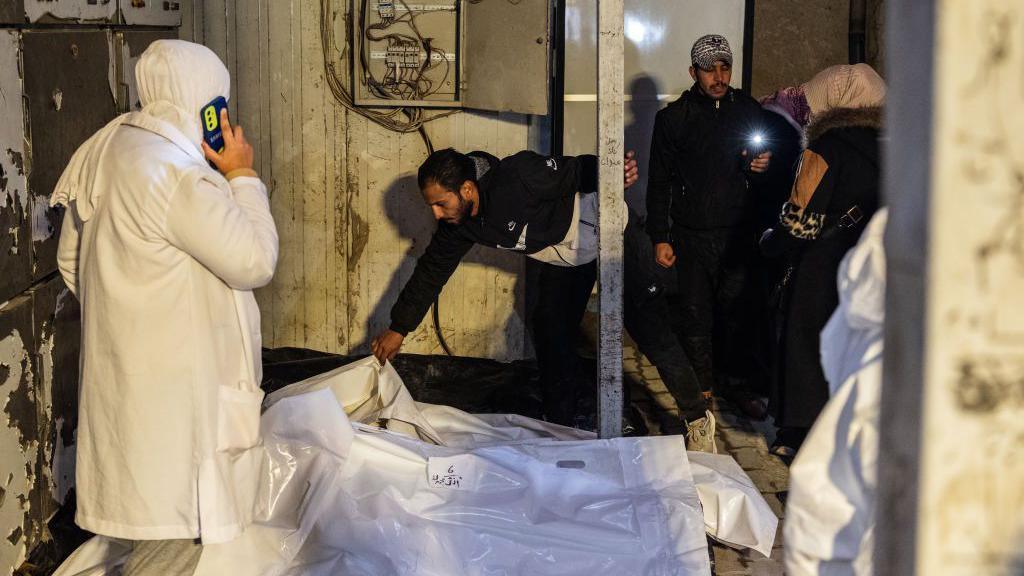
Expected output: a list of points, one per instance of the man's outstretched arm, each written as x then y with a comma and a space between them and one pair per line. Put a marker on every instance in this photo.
433, 269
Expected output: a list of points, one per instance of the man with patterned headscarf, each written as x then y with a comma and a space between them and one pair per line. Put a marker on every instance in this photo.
163, 252
701, 209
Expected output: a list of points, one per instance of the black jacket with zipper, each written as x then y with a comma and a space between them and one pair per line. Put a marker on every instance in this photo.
525, 190
696, 173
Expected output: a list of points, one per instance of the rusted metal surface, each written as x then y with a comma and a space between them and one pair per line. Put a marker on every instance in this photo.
15, 225
612, 213
67, 101
20, 518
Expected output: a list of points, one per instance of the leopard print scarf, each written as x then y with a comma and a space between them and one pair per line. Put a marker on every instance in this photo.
801, 223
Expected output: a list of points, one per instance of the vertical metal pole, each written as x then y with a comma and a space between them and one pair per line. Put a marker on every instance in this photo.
908, 183
612, 209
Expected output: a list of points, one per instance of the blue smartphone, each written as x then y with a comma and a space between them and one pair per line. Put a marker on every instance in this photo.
209, 115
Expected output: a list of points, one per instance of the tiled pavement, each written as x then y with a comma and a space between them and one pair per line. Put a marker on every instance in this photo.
746, 440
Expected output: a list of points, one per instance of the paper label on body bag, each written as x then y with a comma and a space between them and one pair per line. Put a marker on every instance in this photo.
452, 472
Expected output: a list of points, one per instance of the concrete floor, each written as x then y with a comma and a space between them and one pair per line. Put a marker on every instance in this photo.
746, 440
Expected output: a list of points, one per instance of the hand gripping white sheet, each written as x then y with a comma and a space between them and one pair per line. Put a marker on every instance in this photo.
400, 488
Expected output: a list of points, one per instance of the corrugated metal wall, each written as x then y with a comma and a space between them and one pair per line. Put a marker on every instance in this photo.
65, 68
344, 195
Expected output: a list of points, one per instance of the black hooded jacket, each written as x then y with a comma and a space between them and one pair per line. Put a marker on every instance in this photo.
525, 190
696, 174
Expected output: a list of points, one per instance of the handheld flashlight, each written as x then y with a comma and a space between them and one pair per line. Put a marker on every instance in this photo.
756, 144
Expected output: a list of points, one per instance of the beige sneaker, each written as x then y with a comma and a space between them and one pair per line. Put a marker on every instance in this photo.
700, 434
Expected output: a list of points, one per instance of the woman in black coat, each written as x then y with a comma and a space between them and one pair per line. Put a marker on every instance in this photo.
835, 194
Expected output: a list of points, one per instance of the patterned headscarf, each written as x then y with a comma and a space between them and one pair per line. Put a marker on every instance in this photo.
791, 103
710, 49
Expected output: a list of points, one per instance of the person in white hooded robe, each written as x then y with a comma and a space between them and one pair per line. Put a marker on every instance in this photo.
163, 253
830, 511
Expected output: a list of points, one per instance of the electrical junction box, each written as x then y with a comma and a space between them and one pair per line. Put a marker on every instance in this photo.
482, 54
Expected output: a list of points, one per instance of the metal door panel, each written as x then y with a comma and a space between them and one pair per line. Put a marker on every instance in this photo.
506, 63
69, 97
15, 223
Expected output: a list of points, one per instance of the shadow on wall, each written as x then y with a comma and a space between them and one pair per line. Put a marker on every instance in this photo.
404, 207
643, 106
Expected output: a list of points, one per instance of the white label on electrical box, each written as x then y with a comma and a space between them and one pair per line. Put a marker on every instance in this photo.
383, 55
402, 7
452, 472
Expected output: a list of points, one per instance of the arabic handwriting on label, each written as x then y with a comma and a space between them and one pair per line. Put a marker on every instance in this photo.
447, 479
452, 472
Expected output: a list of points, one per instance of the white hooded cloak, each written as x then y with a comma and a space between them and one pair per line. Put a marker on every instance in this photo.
163, 254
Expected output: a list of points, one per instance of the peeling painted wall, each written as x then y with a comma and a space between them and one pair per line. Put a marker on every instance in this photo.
19, 441
39, 345
15, 223
344, 196
57, 87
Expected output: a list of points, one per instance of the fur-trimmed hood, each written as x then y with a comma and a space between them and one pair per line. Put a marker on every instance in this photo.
870, 117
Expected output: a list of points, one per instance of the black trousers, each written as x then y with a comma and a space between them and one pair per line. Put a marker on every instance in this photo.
716, 304
562, 295
648, 319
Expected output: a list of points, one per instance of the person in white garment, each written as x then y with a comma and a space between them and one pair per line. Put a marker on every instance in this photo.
830, 512
163, 252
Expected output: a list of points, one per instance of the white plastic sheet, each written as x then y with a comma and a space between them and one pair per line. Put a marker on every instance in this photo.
830, 514
735, 513
397, 487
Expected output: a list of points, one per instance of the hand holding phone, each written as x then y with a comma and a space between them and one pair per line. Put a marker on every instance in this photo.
235, 152
209, 115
